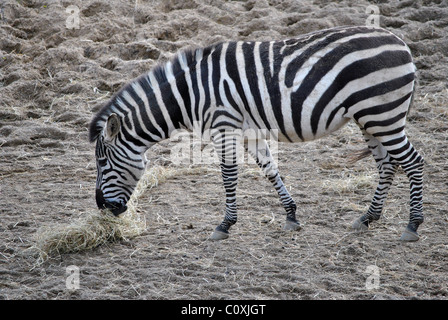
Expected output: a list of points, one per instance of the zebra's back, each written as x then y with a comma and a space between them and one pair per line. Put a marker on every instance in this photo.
310, 86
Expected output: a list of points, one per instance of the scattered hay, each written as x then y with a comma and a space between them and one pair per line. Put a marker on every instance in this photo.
351, 183
97, 227
89, 231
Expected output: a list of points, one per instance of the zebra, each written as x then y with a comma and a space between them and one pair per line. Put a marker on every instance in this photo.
304, 88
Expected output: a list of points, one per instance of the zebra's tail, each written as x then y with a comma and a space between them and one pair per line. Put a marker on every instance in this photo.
358, 155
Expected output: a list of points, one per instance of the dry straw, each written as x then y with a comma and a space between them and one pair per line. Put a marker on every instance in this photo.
97, 227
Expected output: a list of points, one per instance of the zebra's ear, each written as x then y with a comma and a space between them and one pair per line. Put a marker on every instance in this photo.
112, 126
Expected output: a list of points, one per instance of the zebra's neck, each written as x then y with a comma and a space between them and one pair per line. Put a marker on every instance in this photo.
160, 101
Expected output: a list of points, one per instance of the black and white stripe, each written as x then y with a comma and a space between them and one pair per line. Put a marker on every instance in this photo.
305, 88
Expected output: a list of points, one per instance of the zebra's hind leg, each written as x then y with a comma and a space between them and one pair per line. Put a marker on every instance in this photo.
412, 163
399, 151
404, 154
259, 150
387, 169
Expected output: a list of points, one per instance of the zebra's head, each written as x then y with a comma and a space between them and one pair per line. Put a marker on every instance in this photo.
119, 165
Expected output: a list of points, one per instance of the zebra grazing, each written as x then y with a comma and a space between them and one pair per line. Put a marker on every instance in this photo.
305, 88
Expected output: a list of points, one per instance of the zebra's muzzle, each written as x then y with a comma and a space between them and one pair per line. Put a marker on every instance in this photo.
116, 207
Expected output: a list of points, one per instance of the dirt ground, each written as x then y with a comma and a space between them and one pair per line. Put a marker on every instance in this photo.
58, 65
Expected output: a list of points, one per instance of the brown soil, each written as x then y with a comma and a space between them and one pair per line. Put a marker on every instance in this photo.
52, 81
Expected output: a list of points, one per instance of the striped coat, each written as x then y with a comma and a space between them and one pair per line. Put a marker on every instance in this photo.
303, 88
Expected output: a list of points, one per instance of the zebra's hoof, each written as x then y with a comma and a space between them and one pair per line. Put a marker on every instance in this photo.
219, 235
359, 225
409, 235
291, 225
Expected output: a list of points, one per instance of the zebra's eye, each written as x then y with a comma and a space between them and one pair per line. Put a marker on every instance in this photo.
102, 162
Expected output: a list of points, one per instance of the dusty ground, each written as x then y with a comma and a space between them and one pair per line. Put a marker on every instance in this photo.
53, 79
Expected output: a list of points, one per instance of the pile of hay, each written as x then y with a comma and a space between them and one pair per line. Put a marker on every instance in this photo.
97, 227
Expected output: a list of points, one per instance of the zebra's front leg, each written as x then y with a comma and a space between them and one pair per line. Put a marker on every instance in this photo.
230, 177
259, 150
226, 148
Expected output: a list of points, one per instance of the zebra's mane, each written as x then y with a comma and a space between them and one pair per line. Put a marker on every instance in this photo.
158, 71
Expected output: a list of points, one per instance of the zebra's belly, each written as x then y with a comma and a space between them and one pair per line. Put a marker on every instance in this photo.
288, 131
305, 131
